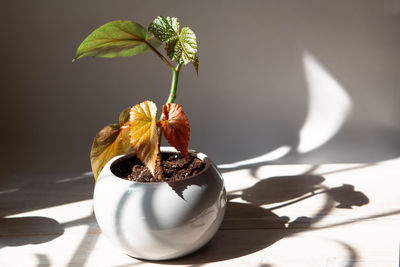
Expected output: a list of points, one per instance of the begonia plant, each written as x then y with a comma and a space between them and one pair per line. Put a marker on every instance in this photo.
138, 127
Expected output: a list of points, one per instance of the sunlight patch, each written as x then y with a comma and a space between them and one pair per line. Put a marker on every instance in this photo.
329, 106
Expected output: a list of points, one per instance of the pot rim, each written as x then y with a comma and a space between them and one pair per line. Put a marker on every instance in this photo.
166, 149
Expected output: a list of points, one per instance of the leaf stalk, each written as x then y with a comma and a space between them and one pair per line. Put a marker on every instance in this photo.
161, 56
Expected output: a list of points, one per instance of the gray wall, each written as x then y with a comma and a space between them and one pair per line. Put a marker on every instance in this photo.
252, 96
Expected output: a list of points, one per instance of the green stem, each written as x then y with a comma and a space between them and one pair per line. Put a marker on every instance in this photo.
172, 95
174, 84
171, 99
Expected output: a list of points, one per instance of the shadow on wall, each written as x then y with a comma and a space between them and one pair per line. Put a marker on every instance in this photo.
335, 99
329, 108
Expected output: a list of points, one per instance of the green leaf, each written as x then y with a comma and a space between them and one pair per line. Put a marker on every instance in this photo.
165, 29
181, 46
111, 141
186, 47
117, 39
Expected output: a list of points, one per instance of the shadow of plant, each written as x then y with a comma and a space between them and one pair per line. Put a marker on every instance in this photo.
251, 227
347, 197
28, 230
280, 189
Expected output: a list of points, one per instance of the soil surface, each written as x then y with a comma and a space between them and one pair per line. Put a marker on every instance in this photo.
174, 167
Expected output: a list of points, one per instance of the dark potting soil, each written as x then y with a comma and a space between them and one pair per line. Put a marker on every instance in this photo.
174, 167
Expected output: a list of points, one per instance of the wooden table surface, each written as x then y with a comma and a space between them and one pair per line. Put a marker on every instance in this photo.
277, 215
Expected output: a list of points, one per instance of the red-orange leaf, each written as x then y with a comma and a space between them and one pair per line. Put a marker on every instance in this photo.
175, 127
143, 133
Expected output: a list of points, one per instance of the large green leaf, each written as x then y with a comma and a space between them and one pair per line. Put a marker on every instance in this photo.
117, 39
181, 46
111, 141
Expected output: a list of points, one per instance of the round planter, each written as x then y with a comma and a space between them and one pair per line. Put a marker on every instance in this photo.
159, 221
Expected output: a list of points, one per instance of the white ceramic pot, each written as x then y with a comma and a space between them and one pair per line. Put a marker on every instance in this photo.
159, 221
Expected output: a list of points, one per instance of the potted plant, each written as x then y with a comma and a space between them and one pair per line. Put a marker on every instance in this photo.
156, 203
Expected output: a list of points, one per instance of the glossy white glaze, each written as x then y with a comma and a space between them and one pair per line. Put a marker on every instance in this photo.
159, 221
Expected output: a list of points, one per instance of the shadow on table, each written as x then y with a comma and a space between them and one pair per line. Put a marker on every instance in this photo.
28, 230
23, 194
20, 194
237, 237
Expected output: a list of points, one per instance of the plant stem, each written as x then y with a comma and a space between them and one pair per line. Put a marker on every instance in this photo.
161, 56
171, 99
172, 95
174, 84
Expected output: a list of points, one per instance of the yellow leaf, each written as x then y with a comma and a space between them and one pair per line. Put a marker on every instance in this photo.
143, 133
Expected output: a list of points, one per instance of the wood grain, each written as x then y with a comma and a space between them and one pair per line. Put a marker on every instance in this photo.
333, 215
